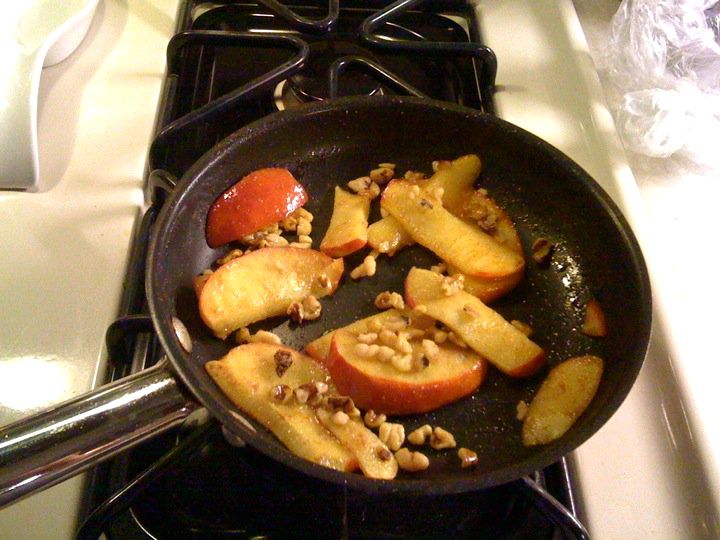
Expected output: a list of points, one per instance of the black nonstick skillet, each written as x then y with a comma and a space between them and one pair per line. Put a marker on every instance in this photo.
329, 143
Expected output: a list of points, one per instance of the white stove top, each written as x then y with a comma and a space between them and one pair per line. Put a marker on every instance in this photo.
651, 472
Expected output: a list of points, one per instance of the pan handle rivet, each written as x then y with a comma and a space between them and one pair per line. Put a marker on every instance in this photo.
182, 334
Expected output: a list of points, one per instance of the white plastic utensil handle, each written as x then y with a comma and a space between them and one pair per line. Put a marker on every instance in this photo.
33, 33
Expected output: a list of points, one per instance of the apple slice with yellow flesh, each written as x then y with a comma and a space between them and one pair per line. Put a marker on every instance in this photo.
563, 396
247, 375
348, 229
364, 444
486, 332
319, 349
461, 244
478, 207
451, 374
422, 286
263, 284
387, 236
456, 177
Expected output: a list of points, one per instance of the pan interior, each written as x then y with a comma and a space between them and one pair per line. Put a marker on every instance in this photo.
544, 193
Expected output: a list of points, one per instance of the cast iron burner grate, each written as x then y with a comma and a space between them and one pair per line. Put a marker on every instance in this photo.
228, 65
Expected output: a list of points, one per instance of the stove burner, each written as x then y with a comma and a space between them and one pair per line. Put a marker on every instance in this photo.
310, 84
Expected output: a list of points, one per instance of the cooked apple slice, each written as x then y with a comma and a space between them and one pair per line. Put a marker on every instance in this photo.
456, 178
387, 236
461, 244
348, 229
451, 374
478, 207
247, 375
375, 459
260, 199
263, 284
319, 349
562, 398
422, 286
486, 332
594, 323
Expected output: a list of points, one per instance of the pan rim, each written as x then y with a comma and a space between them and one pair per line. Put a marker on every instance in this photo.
545, 456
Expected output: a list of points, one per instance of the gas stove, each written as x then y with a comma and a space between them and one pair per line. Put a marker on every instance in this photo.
94, 182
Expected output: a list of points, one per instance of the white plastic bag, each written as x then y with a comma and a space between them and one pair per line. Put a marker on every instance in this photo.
664, 57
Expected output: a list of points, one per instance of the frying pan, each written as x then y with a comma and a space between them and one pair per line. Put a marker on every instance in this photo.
329, 143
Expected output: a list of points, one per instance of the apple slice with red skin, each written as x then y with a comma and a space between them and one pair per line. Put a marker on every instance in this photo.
423, 286
461, 244
260, 199
454, 373
247, 375
348, 229
486, 332
263, 284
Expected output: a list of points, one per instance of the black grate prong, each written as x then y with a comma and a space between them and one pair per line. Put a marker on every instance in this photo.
303, 23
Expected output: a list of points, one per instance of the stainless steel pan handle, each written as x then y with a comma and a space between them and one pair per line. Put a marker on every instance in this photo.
49, 447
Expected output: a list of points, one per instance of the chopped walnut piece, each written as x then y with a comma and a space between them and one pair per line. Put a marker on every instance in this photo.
304, 227
411, 461
488, 222
403, 344
420, 435
322, 387
393, 435
385, 354
308, 394
289, 224
452, 284
312, 307
324, 282
283, 361
402, 362
234, 254
373, 419
281, 393
387, 300
296, 312
341, 418
363, 350
274, 240
523, 327
367, 268
368, 338
594, 324
430, 349
395, 323
521, 410
542, 250
442, 439
304, 214
440, 337
468, 458
414, 176
343, 403
387, 165
382, 175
